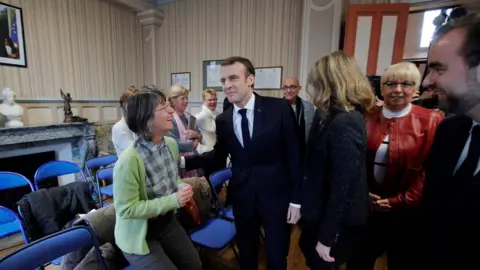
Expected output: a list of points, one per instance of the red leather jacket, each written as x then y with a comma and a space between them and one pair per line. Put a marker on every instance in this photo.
410, 139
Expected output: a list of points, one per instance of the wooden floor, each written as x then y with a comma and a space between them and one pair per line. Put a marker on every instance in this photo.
225, 259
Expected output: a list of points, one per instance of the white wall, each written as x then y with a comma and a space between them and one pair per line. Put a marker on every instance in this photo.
412, 48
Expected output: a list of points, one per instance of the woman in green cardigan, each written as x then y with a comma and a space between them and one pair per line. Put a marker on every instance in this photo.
146, 193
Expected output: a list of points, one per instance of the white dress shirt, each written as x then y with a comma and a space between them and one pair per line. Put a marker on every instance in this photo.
122, 136
237, 119
464, 153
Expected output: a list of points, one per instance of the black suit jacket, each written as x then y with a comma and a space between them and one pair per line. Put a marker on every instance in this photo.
268, 176
451, 206
335, 187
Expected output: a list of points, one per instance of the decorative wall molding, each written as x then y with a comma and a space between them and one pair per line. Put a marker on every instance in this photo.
136, 5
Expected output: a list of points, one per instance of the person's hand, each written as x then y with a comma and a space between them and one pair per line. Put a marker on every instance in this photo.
195, 144
380, 204
192, 134
383, 204
293, 214
378, 102
184, 195
324, 252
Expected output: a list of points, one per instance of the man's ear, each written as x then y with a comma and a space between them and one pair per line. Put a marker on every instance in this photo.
250, 80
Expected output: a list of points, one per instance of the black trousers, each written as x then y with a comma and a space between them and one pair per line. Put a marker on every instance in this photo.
341, 251
396, 233
277, 237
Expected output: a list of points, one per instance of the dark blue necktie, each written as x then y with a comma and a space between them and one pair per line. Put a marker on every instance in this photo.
469, 165
245, 129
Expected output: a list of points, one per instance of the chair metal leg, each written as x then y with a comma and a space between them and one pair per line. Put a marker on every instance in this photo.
235, 252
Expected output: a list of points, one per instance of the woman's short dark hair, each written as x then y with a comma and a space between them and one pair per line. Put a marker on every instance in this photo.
141, 108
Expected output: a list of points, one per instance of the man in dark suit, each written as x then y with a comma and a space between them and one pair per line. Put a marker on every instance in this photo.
260, 135
451, 198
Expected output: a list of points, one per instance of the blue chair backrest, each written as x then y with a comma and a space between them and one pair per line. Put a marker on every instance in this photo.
56, 168
100, 161
46, 249
218, 178
7, 215
10, 180
105, 174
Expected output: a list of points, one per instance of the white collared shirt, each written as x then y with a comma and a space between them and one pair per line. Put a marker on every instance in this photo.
122, 136
237, 118
464, 154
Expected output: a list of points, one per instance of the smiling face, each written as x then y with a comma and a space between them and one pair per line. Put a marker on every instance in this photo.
237, 85
162, 120
180, 103
449, 73
210, 101
399, 84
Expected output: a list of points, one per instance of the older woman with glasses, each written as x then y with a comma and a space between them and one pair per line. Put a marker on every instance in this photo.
147, 190
399, 137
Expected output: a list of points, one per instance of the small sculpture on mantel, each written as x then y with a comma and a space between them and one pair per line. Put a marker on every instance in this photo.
67, 110
11, 110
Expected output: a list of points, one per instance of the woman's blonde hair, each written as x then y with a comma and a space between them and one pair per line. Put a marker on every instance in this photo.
404, 71
339, 84
176, 91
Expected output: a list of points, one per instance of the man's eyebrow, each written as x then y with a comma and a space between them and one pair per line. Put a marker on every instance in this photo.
436, 65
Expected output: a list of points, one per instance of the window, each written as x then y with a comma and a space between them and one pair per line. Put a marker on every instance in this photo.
428, 28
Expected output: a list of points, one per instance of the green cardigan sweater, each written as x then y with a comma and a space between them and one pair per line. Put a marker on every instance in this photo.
133, 208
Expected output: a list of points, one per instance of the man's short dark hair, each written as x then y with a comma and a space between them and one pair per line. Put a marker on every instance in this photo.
470, 49
249, 69
141, 108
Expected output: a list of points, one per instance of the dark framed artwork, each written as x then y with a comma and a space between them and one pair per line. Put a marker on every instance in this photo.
12, 37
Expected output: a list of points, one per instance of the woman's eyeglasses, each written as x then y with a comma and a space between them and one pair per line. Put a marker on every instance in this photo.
405, 84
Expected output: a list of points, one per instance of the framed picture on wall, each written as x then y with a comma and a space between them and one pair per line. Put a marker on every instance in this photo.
211, 75
12, 37
268, 78
181, 78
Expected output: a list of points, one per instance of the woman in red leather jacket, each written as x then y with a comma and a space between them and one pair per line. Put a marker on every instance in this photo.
399, 137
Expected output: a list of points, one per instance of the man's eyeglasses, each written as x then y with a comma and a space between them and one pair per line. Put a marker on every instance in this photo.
289, 87
405, 84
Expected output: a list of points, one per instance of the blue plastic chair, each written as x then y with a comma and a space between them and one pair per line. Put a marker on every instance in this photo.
10, 223
44, 250
218, 179
95, 164
54, 169
215, 234
107, 175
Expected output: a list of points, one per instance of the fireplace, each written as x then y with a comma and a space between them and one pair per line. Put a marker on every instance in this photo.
25, 165
69, 142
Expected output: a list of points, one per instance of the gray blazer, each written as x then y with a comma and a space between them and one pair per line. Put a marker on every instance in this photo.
308, 114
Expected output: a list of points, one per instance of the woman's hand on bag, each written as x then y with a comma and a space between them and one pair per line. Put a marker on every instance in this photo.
183, 196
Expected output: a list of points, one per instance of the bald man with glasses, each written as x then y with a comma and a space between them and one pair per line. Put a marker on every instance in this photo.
304, 110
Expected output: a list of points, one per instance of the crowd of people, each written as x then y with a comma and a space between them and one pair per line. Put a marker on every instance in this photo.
359, 178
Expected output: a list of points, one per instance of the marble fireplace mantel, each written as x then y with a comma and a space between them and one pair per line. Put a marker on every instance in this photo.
81, 137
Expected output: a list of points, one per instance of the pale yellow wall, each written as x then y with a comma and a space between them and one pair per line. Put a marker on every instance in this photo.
265, 31
90, 48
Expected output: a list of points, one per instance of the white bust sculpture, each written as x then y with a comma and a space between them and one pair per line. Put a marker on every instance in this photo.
12, 111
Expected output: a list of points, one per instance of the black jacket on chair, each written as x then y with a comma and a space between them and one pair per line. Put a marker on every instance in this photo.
335, 191
47, 211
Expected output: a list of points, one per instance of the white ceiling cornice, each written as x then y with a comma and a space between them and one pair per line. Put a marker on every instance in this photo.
137, 5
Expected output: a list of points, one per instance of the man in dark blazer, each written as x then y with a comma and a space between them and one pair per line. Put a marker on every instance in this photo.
451, 196
261, 136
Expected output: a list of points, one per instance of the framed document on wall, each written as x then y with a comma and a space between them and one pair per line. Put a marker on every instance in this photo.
268, 78
181, 78
211, 75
